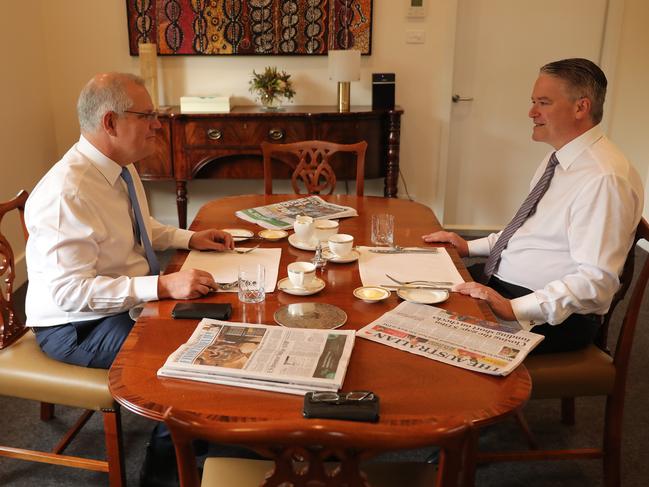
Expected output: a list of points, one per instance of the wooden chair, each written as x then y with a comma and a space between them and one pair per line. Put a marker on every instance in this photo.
310, 161
589, 372
225, 472
27, 373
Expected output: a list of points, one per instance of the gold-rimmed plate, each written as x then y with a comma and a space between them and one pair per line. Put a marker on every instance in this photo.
239, 234
422, 295
273, 235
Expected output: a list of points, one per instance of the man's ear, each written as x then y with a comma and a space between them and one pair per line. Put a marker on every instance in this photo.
109, 123
582, 108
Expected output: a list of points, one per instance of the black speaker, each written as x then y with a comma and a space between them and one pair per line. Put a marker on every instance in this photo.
383, 91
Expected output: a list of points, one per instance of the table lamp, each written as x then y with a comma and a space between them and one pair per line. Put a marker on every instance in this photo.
344, 66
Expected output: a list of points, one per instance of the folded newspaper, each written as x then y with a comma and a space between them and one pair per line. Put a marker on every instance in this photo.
270, 358
463, 341
280, 216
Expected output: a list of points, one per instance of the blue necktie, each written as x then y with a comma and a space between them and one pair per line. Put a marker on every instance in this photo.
527, 209
154, 265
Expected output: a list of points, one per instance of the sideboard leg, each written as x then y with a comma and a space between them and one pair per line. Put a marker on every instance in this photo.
181, 203
392, 169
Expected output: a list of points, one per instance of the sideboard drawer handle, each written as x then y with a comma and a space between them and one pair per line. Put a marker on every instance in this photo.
276, 134
214, 134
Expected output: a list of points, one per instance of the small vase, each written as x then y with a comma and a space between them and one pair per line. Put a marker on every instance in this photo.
271, 103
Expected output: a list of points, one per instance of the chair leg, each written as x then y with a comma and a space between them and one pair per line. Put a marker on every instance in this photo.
47, 411
522, 423
470, 457
613, 441
114, 447
568, 410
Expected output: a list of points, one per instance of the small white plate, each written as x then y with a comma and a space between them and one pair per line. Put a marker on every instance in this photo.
372, 294
350, 257
287, 286
272, 235
298, 244
239, 234
423, 296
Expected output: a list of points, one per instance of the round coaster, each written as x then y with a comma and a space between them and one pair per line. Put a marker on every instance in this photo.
319, 316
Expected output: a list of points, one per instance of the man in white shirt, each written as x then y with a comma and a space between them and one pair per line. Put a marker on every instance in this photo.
86, 266
559, 271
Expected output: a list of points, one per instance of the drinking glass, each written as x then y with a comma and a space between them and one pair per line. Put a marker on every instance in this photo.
252, 283
383, 229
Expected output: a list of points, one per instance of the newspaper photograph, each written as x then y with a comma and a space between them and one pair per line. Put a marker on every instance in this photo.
459, 340
281, 216
263, 357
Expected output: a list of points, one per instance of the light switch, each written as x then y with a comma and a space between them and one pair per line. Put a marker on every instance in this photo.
415, 37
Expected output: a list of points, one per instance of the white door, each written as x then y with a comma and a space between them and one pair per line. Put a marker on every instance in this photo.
500, 45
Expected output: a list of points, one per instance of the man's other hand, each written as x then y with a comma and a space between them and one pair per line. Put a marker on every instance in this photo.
187, 284
211, 239
449, 237
501, 306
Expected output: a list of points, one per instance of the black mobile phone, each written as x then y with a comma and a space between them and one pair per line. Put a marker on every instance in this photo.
350, 406
217, 311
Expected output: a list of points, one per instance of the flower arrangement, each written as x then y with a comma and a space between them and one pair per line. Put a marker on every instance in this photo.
271, 85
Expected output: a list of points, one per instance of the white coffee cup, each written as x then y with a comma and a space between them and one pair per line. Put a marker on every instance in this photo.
301, 274
341, 244
304, 228
325, 229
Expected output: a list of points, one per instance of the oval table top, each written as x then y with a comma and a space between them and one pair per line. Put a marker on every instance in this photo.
418, 396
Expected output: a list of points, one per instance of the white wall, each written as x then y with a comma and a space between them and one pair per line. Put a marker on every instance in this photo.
26, 127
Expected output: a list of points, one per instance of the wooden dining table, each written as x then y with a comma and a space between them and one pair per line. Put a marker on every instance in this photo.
418, 396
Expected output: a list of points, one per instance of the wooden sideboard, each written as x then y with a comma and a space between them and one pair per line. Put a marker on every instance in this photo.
226, 145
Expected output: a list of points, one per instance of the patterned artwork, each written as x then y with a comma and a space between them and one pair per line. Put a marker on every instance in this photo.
236, 27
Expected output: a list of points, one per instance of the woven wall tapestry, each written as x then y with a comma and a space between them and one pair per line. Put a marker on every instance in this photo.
236, 27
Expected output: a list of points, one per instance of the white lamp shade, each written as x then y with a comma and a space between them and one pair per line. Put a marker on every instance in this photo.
345, 65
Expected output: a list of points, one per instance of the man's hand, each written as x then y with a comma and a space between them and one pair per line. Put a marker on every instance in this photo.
211, 239
187, 284
449, 237
501, 306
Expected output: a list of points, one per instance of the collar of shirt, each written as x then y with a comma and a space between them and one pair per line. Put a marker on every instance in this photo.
106, 166
569, 152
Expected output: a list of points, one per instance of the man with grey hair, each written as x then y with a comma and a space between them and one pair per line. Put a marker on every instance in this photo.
90, 254
555, 267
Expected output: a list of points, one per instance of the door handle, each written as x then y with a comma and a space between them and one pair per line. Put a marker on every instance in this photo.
457, 98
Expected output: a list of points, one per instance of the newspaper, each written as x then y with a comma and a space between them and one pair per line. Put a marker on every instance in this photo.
270, 358
463, 341
280, 216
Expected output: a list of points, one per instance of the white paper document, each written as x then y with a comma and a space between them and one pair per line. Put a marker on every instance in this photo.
406, 267
224, 266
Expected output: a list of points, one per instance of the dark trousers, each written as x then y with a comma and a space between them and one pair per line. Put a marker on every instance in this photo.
92, 343
574, 333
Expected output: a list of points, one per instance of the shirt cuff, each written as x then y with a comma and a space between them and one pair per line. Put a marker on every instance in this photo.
479, 247
181, 238
146, 288
528, 311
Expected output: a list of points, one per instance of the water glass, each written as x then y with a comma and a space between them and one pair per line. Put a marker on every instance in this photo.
383, 229
252, 283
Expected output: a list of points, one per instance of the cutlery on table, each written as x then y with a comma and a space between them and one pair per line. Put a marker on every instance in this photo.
245, 250
433, 283
401, 250
396, 287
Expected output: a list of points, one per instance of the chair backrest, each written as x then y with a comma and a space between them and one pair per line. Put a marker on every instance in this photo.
625, 338
310, 161
11, 327
626, 277
186, 427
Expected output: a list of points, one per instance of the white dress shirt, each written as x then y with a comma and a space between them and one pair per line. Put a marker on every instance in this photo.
572, 250
82, 259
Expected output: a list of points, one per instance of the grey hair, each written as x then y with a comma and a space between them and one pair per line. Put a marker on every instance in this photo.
585, 79
102, 95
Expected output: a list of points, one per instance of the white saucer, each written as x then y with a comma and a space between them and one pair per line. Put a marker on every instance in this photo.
287, 286
350, 257
239, 234
423, 296
298, 244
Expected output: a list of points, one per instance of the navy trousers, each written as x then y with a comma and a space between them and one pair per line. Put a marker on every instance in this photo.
92, 343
